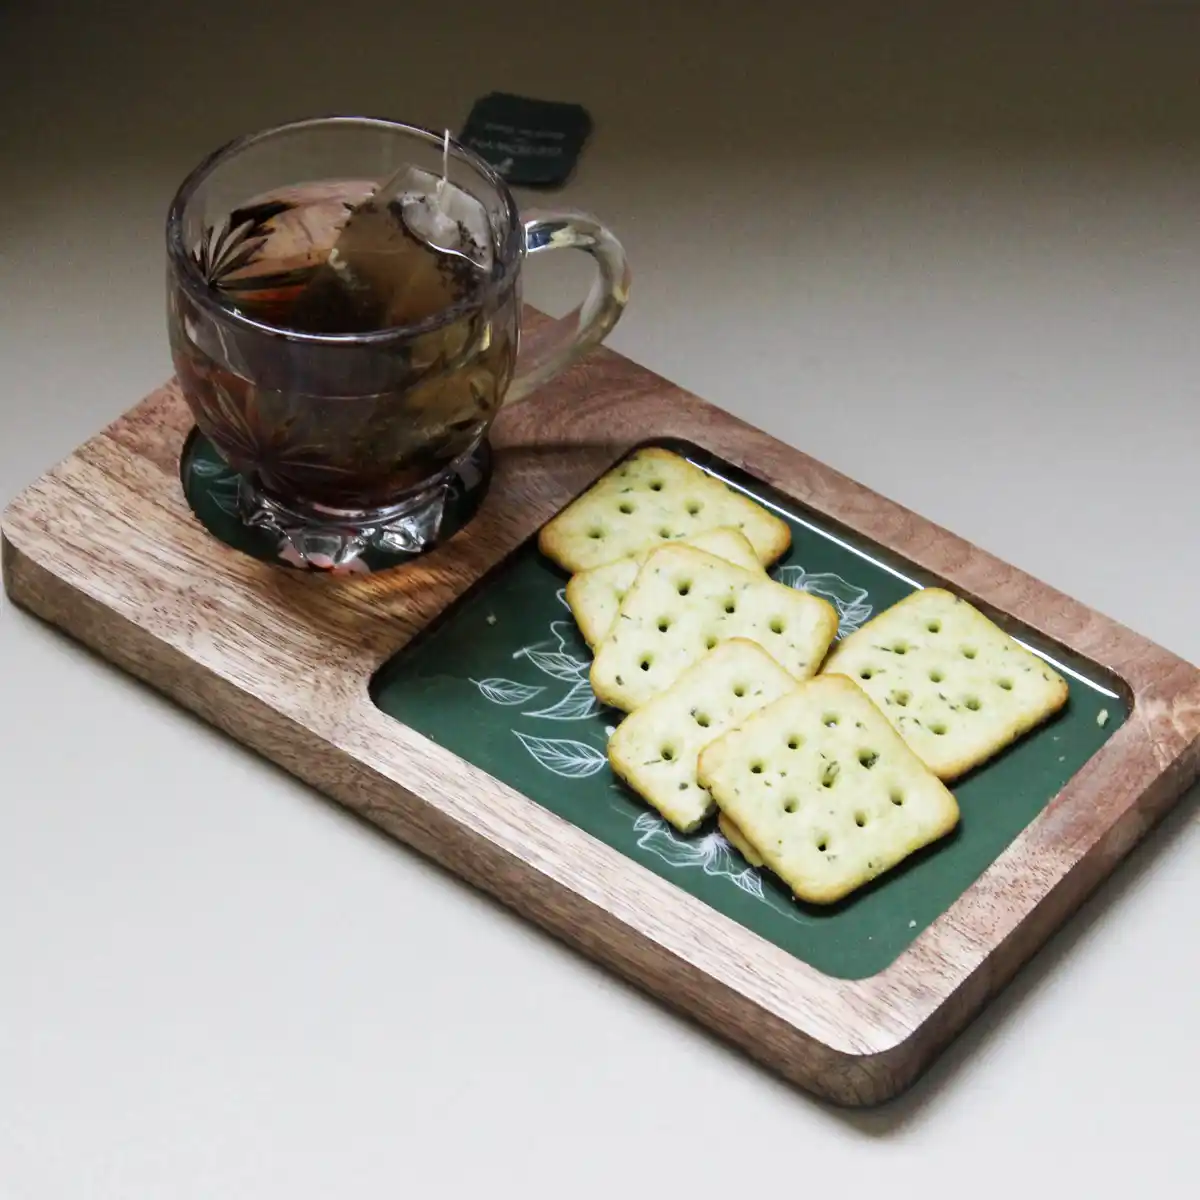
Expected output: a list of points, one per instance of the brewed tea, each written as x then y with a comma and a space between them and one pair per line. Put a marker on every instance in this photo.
343, 303
350, 424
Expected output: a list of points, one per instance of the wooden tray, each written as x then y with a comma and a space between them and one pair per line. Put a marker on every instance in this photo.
319, 674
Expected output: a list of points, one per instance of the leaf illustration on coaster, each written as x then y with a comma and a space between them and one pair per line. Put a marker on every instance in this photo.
554, 663
570, 759
227, 504
507, 691
577, 705
561, 597
210, 469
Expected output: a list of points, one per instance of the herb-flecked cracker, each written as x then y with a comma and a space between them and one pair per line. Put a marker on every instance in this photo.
956, 686
684, 603
737, 839
654, 496
595, 595
825, 790
656, 748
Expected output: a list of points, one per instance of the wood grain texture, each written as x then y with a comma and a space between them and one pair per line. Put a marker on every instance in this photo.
106, 547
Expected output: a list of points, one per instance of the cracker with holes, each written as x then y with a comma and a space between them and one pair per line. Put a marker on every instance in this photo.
737, 839
656, 748
654, 496
956, 686
595, 596
825, 790
684, 603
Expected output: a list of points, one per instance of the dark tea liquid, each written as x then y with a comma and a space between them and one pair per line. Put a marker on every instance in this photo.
351, 423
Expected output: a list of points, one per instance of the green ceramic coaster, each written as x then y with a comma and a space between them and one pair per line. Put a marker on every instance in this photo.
211, 487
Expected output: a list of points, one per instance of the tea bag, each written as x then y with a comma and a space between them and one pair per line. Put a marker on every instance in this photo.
264, 255
417, 245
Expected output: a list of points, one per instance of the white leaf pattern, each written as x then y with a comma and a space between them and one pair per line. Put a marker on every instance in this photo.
564, 634
507, 691
577, 705
849, 600
554, 663
562, 657
854, 617
561, 597
711, 852
790, 576
750, 881
227, 504
210, 470
567, 758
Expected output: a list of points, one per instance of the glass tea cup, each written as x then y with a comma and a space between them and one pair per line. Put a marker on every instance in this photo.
344, 302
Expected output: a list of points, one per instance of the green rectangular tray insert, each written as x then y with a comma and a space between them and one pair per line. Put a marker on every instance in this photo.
501, 680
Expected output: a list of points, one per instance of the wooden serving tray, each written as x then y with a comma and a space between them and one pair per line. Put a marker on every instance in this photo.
358, 683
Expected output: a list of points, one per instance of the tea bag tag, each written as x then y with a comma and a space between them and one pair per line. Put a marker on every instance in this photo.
530, 143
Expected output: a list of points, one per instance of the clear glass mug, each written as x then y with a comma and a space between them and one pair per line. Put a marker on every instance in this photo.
347, 440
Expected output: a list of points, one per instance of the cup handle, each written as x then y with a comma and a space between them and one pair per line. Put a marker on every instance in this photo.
545, 354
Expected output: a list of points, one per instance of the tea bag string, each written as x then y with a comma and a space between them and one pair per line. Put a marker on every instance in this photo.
441, 187
439, 194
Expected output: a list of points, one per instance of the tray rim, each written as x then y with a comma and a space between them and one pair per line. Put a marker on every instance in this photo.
853, 1041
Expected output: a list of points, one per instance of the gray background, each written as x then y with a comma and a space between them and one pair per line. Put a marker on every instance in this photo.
953, 255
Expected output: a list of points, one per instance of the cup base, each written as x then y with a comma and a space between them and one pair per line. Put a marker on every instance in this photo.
332, 539
236, 510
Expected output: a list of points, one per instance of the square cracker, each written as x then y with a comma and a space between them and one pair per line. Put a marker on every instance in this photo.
825, 790
594, 596
685, 602
654, 496
656, 748
956, 686
737, 839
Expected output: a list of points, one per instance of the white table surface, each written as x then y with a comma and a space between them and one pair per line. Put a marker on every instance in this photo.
956, 257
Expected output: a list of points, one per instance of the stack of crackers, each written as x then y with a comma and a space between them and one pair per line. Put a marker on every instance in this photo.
826, 764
